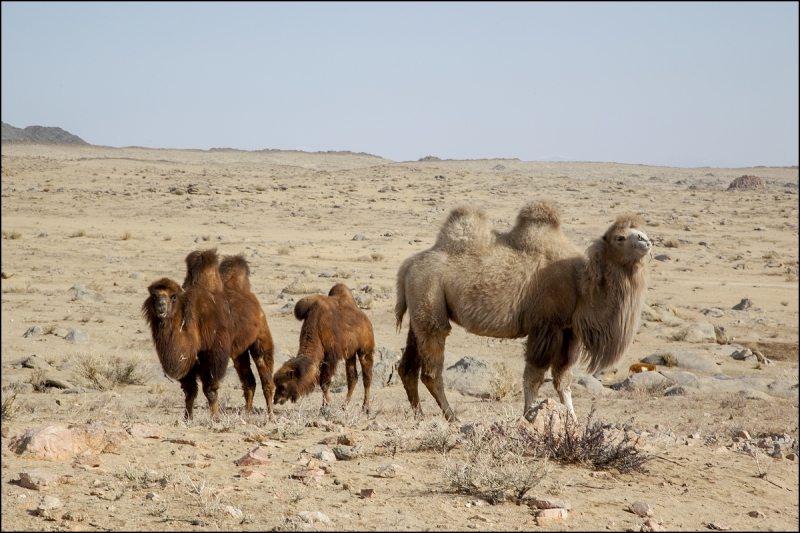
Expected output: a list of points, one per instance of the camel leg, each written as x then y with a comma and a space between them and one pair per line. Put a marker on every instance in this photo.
431, 371
532, 380
409, 369
262, 352
212, 370
242, 365
189, 386
352, 377
562, 370
326, 399
366, 376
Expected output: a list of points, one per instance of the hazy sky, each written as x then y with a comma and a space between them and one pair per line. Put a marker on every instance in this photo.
677, 84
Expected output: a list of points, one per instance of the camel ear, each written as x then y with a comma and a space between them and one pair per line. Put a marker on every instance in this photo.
290, 373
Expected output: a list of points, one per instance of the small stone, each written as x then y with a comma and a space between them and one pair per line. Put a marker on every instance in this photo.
744, 304
36, 479
358, 237
719, 526
551, 514
550, 503
34, 331
390, 470
75, 516
346, 454
256, 456
367, 493
641, 508
652, 525
742, 434
663, 258
234, 512
152, 496
35, 361
76, 336
144, 431
308, 475
310, 517
48, 504
251, 473
757, 514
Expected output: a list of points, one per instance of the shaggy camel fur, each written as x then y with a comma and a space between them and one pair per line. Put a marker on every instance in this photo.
249, 332
530, 281
190, 329
334, 328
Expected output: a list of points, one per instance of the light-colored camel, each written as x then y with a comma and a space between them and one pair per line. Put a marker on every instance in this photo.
530, 281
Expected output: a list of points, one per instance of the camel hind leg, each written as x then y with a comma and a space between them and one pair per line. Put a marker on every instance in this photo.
241, 363
212, 369
365, 359
352, 377
263, 353
431, 369
562, 370
189, 387
409, 369
543, 350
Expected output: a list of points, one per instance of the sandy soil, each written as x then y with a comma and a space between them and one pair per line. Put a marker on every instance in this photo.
115, 220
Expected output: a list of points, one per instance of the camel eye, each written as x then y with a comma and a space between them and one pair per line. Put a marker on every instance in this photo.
174, 297
620, 238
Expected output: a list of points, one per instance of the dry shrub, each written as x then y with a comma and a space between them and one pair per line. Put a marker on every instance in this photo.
498, 465
669, 360
503, 382
671, 243
79, 233
11, 234
439, 436
9, 397
104, 373
594, 444
38, 379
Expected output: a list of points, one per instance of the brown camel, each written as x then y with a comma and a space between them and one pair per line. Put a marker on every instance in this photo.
334, 328
249, 332
530, 281
190, 329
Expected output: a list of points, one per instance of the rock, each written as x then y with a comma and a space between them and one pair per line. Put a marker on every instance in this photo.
359, 237
742, 434
750, 394
722, 337
663, 258
76, 336
97, 437
390, 470
744, 304
310, 517
713, 312
677, 390
700, 332
37, 478
308, 475
548, 416
543, 515
719, 526
682, 359
593, 385
44, 442
367, 493
136, 275
686, 379
47, 505
87, 295
78, 390
287, 308
744, 355
346, 453
550, 503
251, 473
256, 456
469, 375
233, 511
757, 514
384, 369
641, 508
36, 362
652, 525
58, 383
144, 431
322, 453
747, 183
647, 381
34, 331
329, 274
364, 301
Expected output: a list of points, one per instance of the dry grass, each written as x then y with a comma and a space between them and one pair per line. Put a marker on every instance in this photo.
9, 407
504, 383
671, 243
38, 379
126, 236
104, 373
13, 234
79, 233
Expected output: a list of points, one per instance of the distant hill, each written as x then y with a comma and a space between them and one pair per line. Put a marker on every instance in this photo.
39, 134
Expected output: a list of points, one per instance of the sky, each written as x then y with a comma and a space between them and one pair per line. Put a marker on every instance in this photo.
673, 84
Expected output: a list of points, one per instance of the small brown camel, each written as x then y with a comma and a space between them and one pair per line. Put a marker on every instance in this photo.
334, 328
190, 329
528, 282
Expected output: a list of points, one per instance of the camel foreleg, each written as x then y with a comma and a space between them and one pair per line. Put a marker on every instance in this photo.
242, 365
262, 352
352, 377
409, 370
366, 376
532, 380
432, 368
189, 387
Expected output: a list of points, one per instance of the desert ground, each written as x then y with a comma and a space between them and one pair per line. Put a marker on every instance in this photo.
86, 229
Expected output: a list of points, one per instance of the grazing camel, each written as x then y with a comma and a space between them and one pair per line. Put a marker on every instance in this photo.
530, 281
334, 328
190, 329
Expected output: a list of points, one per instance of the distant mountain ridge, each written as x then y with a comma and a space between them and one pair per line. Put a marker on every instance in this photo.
39, 134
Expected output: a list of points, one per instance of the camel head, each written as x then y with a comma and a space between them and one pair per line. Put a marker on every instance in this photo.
625, 242
293, 380
164, 295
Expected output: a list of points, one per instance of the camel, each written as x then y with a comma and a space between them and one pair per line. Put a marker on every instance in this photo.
636, 368
528, 282
190, 329
249, 332
334, 328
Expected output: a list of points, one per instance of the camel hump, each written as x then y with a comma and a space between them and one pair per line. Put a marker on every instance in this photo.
202, 268
341, 294
305, 305
466, 228
542, 213
234, 270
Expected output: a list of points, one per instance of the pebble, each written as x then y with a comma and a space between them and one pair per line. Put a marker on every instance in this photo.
641, 508
313, 516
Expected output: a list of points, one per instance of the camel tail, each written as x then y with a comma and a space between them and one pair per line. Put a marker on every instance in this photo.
400, 306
